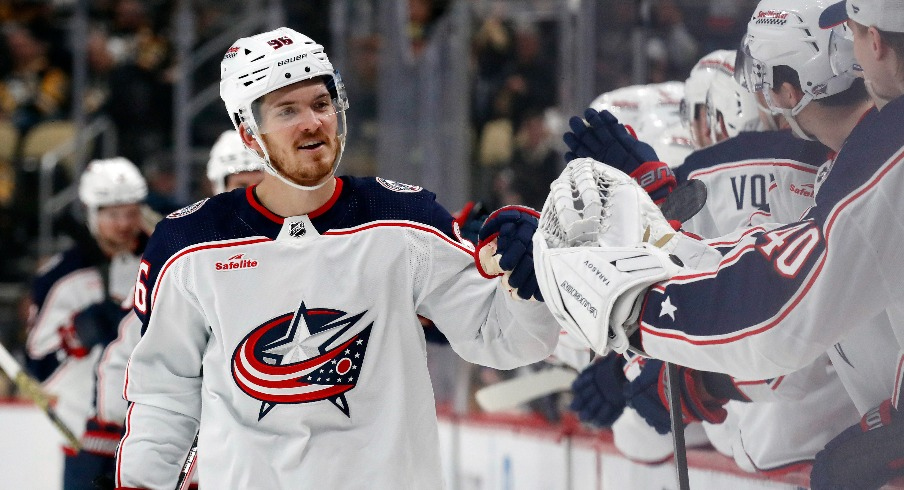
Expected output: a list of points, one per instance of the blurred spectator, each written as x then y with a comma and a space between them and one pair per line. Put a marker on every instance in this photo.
33, 90
679, 47
530, 83
100, 64
141, 82
535, 162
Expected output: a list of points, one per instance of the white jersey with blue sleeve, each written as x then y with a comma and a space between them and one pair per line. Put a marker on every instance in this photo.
294, 343
815, 280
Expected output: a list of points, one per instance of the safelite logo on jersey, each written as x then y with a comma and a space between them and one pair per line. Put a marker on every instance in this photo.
236, 262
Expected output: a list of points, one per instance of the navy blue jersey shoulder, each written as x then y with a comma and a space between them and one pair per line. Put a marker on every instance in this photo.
84, 254
367, 199
750, 145
873, 142
214, 219
67, 262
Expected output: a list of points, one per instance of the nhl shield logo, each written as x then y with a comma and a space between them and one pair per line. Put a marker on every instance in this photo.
297, 229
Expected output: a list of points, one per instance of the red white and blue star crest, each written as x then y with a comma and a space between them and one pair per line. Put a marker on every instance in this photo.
311, 355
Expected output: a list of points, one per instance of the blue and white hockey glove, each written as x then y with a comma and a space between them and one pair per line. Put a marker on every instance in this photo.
605, 140
598, 392
505, 249
865, 455
648, 395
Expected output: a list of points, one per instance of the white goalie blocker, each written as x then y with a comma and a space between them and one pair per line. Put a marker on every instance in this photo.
600, 244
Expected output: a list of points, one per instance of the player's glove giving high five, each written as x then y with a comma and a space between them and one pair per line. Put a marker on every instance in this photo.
647, 394
601, 137
599, 391
505, 249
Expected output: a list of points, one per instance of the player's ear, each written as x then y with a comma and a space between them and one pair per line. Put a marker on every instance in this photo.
248, 138
787, 95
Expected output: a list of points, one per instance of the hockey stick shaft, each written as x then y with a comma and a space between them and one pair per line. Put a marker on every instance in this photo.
31, 389
188, 467
680, 448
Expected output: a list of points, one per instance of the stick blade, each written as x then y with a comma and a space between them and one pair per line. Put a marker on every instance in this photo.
508, 394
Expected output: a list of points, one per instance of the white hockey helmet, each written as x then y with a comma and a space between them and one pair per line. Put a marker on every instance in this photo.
697, 85
787, 33
255, 66
228, 156
731, 109
110, 182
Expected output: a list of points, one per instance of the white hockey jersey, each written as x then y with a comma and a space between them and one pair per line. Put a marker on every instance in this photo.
296, 345
69, 283
816, 280
739, 172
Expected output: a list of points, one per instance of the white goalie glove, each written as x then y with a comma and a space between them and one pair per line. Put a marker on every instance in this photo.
600, 244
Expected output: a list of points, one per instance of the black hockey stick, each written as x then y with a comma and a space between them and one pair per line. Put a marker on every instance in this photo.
685, 201
682, 204
188, 467
680, 448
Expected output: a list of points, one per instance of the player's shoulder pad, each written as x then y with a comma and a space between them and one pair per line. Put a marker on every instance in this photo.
56, 268
779, 145
382, 199
207, 220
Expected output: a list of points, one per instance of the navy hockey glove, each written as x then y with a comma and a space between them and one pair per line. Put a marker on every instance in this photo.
648, 395
599, 391
604, 139
95, 325
865, 455
470, 218
505, 248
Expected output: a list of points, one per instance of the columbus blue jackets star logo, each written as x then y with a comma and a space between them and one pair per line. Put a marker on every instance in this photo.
305, 357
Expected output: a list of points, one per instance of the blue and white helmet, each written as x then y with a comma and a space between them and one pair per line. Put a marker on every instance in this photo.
255, 66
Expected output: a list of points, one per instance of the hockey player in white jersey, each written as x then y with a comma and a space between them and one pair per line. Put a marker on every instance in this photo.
231, 166
732, 111
280, 322
76, 308
814, 282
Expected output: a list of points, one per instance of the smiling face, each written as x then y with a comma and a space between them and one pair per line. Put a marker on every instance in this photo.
299, 127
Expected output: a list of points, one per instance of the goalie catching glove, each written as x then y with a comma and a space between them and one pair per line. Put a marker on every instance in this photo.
505, 249
600, 244
600, 136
